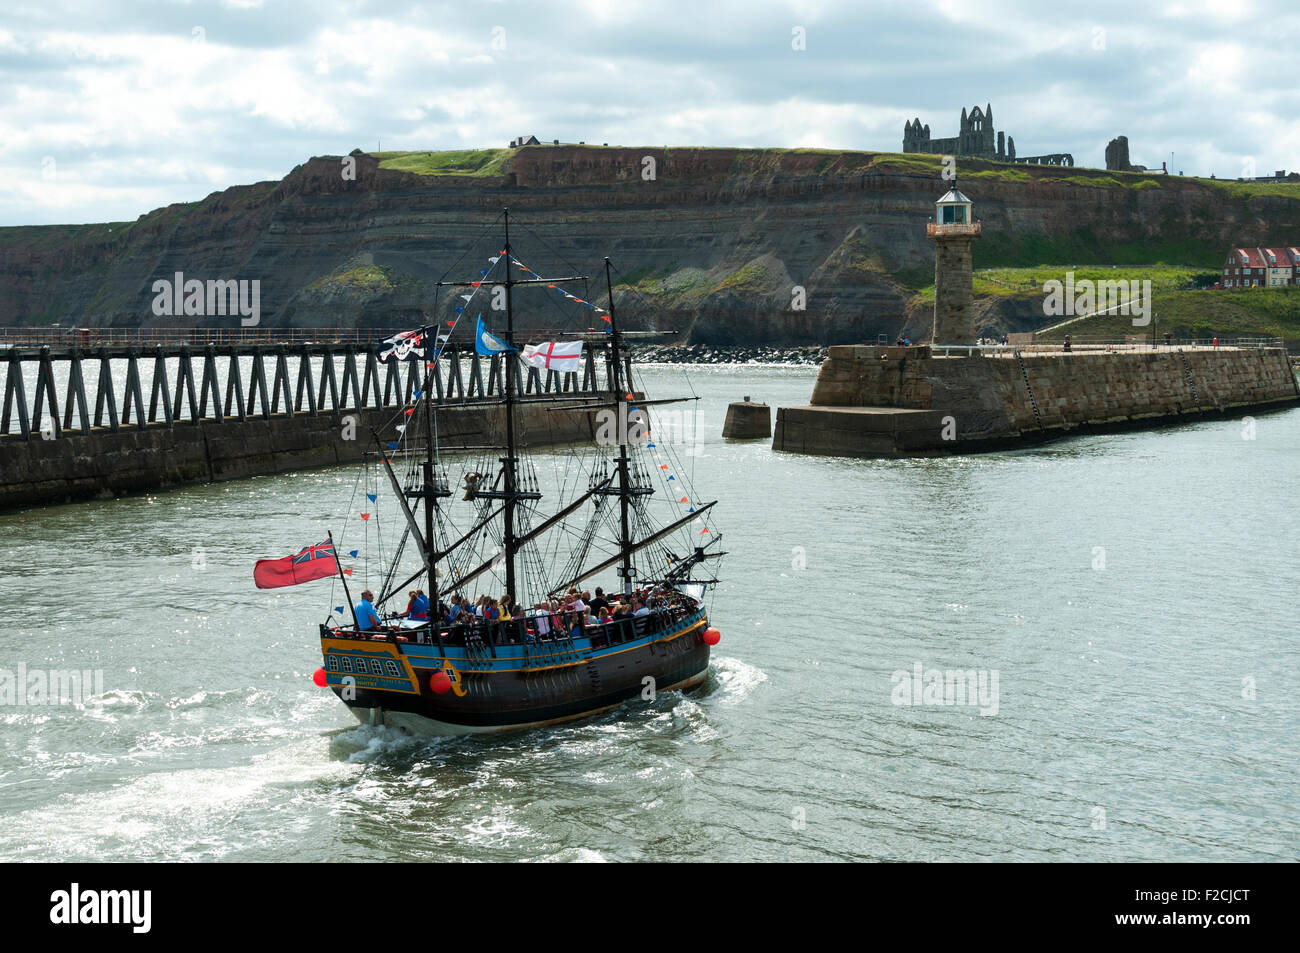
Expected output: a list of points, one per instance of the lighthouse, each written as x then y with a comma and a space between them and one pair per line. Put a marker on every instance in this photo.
953, 232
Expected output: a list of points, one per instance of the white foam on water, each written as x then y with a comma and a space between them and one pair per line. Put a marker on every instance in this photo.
165, 814
736, 679
375, 742
112, 704
571, 855
497, 829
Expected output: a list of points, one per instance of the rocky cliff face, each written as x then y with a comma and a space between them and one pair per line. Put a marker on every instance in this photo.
727, 246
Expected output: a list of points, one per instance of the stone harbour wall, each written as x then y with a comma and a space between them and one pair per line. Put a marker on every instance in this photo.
990, 402
105, 464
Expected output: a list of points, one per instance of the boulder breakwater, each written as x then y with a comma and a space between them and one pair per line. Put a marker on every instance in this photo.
711, 354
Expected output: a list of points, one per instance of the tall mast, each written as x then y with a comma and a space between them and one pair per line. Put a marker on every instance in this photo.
430, 491
511, 486
510, 494
624, 482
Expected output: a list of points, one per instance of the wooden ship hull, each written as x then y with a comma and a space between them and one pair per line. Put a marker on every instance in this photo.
497, 680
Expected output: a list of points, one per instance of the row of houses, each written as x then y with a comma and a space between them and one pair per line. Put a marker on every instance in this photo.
518, 141
1262, 267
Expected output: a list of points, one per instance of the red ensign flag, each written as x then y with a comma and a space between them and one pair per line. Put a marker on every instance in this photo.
314, 562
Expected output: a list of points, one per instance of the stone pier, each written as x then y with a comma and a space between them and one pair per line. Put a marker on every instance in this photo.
747, 420
898, 402
106, 463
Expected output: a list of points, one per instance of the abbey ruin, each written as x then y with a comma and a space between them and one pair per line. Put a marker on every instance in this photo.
975, 139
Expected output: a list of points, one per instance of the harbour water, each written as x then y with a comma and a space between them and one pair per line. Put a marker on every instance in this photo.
1130, 597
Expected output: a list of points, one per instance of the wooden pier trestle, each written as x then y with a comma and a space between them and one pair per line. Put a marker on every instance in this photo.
46, 392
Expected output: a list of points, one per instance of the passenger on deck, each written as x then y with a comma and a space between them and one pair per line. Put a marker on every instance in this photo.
417, 606
421, 612
367, 618
600, 604
639, 607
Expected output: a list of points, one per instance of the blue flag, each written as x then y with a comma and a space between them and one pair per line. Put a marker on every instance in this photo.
485, 342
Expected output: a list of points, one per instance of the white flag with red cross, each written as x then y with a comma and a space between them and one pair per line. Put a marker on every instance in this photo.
563, 357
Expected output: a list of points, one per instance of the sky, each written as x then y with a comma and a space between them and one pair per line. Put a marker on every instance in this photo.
110, 110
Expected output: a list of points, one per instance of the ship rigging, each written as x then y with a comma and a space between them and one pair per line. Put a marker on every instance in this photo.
546, 650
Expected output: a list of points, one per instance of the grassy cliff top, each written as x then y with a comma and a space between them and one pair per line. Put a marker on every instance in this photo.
482, 162
491, 162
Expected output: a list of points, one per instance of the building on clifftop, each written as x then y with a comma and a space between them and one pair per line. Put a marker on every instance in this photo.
976, 138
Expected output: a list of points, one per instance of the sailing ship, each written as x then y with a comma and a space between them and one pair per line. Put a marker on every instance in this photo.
544, 654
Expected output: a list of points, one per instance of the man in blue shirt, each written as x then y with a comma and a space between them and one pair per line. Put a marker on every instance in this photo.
420, 607
367, 618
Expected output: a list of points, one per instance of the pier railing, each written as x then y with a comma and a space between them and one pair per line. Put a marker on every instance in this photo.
1105, 346
48, 389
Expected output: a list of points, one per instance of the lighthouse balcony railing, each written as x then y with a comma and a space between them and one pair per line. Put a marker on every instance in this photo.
971, 229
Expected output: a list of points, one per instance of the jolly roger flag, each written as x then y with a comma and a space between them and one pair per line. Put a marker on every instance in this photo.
403, 346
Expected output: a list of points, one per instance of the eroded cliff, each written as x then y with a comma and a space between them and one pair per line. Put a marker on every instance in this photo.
716, 243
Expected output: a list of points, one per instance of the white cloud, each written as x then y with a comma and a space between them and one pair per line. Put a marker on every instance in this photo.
140, 112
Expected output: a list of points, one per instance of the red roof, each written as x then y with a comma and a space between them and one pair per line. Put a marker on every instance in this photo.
1281, 257
1249, 257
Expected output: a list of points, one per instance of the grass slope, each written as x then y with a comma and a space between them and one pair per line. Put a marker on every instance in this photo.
479, 162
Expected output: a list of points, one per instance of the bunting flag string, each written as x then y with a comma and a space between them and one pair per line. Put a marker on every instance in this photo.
443, 336
558, 290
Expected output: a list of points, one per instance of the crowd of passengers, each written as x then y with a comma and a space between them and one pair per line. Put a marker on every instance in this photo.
505, 620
